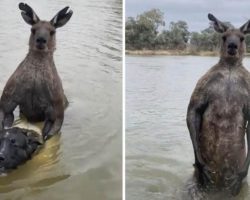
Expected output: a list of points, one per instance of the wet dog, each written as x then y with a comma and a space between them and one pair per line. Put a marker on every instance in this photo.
17, 145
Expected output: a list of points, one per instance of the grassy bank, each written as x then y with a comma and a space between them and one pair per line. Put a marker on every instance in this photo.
174, 53
171, 52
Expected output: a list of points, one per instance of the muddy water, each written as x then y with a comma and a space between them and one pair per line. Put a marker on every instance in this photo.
159, 154
84, 162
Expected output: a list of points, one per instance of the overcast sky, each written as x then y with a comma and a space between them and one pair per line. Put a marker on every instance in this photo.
194, 12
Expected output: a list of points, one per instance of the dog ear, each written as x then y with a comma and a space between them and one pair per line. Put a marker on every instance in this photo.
34, 137
34, 140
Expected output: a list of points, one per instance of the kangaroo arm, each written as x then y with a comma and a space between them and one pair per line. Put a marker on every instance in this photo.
51, 126
247, 161
7, 107
194, 116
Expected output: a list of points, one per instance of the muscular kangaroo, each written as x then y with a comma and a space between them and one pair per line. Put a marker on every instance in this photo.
219, 112
35, 86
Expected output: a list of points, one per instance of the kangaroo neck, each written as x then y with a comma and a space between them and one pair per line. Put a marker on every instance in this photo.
230, 63
40, 55
39, 59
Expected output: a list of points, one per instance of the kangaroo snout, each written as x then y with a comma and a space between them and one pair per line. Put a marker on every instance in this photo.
41, 40
232, 48
41, 43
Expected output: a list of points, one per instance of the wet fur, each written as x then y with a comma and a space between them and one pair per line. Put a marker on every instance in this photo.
218, 116
17, 145
35, 86
222, 135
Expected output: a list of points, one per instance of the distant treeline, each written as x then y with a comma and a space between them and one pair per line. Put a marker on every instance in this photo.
142, 32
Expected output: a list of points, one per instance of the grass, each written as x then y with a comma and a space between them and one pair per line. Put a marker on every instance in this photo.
171, 52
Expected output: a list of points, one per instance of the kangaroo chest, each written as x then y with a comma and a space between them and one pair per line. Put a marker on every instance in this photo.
36, 89
228, 94
223, 123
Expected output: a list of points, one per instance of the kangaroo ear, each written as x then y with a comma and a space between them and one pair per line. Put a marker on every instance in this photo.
218, 25
28, 14
245, 28
61, 18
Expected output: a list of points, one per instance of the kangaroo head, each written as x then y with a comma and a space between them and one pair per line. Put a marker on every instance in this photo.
233, 40
42, 37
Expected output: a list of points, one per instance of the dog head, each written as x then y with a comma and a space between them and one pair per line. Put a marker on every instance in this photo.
17, 146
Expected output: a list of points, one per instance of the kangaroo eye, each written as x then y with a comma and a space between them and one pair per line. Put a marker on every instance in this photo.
52, 33
12, 140
242, 39
224, 38
33, 31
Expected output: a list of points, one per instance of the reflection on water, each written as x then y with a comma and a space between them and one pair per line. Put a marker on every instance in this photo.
159, 154
85, 160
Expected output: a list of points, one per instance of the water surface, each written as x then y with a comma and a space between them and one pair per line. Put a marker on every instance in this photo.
85, 161
159, 153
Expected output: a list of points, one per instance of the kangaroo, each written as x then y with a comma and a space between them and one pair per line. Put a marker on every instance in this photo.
35, 86
219, 112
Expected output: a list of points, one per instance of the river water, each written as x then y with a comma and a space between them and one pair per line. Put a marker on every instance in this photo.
159, 153
85, 161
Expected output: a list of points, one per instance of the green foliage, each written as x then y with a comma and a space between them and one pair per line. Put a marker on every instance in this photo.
178, 34
175, 38
151, 19
206, 40
142, 32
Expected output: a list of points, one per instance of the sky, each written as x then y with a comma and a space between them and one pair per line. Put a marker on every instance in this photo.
194, 12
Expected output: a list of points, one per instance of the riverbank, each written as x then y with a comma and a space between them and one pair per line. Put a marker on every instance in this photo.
173, 53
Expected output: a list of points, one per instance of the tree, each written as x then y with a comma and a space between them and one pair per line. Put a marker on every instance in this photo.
142, 31
163, 40
131, 33
179, 35
204, 41
151, 19
209, 38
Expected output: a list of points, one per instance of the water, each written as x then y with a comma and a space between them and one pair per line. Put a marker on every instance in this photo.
159, 153
85, 162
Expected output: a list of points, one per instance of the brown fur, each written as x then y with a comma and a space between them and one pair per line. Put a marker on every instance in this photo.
217, 116
35, 86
